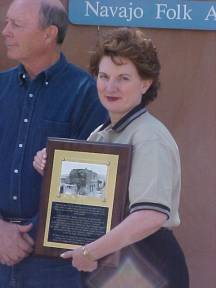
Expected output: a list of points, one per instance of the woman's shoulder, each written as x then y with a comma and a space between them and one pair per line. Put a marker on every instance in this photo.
149, 128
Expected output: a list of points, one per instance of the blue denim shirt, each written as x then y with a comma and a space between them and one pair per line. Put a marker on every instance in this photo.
60, 102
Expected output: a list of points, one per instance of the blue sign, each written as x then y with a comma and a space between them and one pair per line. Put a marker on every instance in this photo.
172, 14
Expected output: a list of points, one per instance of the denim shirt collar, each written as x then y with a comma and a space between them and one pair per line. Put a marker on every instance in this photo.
46, 74
126, 119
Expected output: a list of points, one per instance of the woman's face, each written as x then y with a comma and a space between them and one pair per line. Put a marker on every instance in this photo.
120, 87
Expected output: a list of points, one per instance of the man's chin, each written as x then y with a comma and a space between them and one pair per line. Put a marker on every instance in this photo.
12, 56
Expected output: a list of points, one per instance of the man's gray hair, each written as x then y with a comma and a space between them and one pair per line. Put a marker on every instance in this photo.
54, 15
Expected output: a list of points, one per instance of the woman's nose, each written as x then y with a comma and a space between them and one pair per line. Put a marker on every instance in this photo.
112, 85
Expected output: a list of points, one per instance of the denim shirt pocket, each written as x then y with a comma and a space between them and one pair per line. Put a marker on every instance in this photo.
56, 129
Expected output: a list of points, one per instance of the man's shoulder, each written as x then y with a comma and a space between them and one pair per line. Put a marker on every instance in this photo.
77, 71
9, 72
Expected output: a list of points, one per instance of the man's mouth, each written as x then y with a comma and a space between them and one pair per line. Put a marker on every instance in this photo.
9, 44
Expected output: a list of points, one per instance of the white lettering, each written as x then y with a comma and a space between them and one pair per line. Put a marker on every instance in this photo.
179, 13
138, 13
171, 14
160, 10
104, 11
187, 13
122, 12
211, 13
88, 5
113, 11
178, 17
110, 11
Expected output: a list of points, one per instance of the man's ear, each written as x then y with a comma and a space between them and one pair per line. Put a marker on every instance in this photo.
51, 34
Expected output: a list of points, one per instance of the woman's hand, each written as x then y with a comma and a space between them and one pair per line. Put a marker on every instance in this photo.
80, 261
122, 235
39, 162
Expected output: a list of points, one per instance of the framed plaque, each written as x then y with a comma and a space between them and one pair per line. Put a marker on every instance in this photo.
84, 193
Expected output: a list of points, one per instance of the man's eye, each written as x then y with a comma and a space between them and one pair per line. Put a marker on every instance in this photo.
16, 25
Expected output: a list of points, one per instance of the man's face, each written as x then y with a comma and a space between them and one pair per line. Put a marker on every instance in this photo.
24, 38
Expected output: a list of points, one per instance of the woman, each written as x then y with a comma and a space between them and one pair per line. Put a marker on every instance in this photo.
127, 69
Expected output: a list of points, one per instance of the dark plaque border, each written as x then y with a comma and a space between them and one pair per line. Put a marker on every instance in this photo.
124, 151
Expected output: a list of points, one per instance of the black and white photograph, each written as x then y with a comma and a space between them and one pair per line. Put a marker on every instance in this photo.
83, 179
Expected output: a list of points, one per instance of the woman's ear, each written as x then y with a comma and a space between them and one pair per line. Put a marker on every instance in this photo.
146, 85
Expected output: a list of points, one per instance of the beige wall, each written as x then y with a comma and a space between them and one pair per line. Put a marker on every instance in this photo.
187, 105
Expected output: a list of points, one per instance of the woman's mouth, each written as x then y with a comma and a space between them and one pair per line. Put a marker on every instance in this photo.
112, 99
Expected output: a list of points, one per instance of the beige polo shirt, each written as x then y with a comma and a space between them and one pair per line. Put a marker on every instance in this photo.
155, 173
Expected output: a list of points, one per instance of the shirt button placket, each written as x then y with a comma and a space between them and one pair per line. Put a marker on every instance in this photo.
23, 131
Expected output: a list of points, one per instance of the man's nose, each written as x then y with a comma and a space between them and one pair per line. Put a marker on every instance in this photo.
6, 30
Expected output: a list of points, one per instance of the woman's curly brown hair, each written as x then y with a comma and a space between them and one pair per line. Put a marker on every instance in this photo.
131, 44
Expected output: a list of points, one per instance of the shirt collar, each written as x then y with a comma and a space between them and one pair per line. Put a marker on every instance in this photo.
22, 75
46, 74
126, 119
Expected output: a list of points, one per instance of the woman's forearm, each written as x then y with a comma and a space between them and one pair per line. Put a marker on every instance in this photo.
134, 228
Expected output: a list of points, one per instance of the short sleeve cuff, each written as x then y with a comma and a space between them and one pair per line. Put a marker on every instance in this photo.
150, 206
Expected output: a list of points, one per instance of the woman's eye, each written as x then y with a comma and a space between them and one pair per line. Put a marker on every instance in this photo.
124, 78
102, 76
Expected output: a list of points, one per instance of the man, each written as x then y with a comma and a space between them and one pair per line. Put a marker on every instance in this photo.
43, 96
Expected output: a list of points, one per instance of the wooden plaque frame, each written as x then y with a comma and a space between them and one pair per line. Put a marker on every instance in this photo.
84, 194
